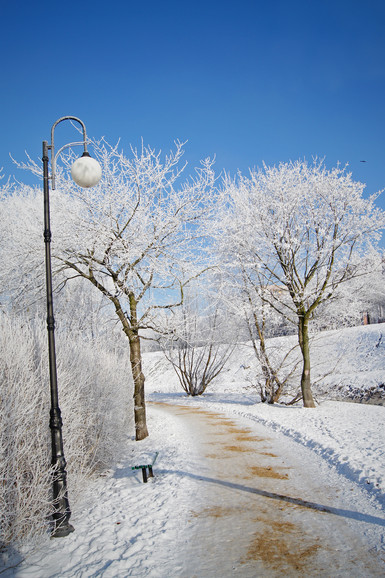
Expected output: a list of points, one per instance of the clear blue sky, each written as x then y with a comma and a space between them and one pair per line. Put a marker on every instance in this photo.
247, 81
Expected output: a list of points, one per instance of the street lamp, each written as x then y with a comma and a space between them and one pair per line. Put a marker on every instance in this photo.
86, 172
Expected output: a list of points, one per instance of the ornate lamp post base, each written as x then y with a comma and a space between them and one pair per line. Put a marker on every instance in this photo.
61, 529
60, 518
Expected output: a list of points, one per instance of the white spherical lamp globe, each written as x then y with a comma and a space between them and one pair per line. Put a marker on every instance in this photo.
86, 171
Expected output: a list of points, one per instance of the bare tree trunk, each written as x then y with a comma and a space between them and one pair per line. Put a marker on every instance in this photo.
141, 431
303, 336
130, 328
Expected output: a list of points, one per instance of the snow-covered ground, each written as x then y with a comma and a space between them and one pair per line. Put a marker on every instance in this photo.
235, 479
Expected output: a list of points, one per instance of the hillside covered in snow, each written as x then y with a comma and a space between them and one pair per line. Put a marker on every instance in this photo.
347, 365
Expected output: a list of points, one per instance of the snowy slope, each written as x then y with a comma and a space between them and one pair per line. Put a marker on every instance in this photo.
347, 364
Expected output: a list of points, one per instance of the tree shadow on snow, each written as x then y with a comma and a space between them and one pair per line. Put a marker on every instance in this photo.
10, 559
358, 516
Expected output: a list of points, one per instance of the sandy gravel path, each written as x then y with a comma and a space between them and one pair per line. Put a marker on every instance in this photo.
268, 507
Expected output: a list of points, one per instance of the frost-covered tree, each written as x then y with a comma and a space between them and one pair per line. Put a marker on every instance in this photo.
134, 237
303, 229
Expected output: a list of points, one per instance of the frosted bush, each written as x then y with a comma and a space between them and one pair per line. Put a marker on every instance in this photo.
95, 393
24, 437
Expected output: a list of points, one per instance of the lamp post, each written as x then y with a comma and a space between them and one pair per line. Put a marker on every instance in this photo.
86, 172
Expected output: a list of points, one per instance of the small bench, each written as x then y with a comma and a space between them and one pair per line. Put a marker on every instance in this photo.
144, 468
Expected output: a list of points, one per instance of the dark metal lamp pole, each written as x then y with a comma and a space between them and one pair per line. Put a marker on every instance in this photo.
86, 172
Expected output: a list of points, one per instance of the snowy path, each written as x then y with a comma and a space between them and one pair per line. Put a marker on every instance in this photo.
230, 497
264, 513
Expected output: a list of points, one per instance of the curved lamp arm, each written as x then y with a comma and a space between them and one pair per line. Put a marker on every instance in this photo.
52, 146
85, 171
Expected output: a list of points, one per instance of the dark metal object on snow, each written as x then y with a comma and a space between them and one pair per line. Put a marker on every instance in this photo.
144, 468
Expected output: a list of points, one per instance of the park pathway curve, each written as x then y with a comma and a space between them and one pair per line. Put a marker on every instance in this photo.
263, 511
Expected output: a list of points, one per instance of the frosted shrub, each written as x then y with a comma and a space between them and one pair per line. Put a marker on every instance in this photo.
195, 348
24, 437
94, 398
96, 403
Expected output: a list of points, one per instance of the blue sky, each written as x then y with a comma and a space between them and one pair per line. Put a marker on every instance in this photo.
247, 81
